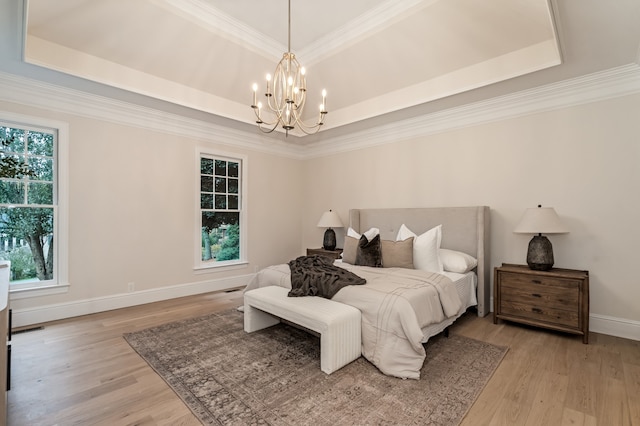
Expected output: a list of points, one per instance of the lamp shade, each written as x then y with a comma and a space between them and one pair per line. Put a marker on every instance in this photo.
330, 219
540, 220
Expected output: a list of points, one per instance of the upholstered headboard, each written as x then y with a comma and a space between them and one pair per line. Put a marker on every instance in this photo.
466, 229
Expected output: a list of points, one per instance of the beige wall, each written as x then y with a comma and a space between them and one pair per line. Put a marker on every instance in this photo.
132, 201
132, 206
584, 161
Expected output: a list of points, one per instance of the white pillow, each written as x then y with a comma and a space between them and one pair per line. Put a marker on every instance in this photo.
457, 261
425, 248
352, 233
370, 234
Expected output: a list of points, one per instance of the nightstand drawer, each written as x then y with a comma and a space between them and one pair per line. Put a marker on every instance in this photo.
543, 313
522, 280
556, 293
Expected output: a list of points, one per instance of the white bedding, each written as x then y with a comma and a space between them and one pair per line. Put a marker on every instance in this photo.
466, 286
401, 308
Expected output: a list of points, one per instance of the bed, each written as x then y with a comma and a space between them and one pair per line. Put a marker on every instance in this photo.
402, 308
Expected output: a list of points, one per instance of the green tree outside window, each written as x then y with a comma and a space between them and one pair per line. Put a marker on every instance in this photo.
27, 191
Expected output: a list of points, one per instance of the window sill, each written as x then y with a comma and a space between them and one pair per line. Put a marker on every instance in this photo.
24, 293
214, 268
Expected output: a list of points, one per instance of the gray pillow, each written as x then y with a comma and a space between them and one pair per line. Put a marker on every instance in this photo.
350, 249
397, 254
369, 252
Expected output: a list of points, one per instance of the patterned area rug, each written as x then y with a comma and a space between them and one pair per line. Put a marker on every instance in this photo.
273, 377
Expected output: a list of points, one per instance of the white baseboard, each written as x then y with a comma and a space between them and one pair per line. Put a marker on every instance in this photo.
46, 313
612, 326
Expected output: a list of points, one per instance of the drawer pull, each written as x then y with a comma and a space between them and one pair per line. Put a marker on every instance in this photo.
536, 295
536, 310
536, 281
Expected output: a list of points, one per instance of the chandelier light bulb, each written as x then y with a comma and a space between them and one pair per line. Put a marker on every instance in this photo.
255, 88
303, 71
268, 92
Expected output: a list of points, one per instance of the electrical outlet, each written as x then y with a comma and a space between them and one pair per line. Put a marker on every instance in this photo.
131, 287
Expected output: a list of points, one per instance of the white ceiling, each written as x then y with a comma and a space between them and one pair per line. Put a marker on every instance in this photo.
374, 57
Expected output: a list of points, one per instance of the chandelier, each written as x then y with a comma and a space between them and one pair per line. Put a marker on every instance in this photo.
286, 95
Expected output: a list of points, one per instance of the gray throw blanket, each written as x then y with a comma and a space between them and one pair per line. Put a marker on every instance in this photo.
318, 276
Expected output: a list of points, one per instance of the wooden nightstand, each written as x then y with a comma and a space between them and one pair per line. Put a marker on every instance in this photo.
557, 299
334, 254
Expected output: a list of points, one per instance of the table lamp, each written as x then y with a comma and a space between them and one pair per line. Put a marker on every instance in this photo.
329, 220
540, 220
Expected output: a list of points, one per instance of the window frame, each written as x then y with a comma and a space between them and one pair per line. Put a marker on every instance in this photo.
60, 281
199, 264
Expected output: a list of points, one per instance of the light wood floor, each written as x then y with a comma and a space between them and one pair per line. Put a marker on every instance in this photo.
82, 372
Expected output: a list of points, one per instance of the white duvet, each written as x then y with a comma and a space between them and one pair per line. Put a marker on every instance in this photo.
395, 303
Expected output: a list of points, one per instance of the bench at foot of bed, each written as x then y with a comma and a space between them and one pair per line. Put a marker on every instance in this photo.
338, 324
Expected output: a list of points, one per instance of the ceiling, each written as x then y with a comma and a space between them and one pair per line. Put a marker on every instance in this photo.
374, 57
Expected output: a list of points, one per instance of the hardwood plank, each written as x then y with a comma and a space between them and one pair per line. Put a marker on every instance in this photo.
632, 382
81, 371
548, 403
612, 402
576, 418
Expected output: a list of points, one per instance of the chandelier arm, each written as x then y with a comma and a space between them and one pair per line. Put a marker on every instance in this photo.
256, 110
303, 99
268, 123
309, 130
314, 128
275, 108
277, 105
267, 130
298, 117
276, 117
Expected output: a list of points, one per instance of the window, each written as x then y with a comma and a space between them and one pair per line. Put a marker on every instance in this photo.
28, 204
221, 218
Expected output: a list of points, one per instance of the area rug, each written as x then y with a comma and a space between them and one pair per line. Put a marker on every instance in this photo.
273, 377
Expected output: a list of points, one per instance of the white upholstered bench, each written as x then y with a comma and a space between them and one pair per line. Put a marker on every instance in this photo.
338, 324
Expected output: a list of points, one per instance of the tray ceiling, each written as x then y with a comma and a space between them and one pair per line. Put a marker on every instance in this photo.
372, 56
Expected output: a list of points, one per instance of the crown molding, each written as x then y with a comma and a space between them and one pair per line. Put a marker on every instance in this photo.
615, 82
34, 93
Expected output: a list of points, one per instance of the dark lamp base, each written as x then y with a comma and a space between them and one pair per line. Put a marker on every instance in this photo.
329, 242
540, 253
